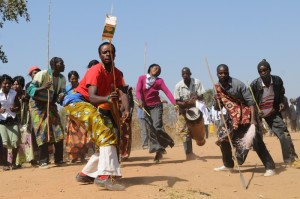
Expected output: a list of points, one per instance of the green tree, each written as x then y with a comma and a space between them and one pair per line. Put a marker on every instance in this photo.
209, 97
11, 10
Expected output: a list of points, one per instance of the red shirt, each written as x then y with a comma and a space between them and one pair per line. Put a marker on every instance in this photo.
98, 76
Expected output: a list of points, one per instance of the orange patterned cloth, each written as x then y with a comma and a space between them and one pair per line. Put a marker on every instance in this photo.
238, 111
77, 139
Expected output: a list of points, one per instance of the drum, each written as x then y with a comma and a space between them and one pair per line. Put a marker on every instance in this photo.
195, 124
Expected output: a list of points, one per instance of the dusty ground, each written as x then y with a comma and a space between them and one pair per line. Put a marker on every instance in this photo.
172, 178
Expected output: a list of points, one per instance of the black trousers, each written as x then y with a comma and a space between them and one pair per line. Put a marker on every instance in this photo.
278, 126
159, 139
58, 154
241, 154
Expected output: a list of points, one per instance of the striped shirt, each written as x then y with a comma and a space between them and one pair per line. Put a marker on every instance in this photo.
267, 99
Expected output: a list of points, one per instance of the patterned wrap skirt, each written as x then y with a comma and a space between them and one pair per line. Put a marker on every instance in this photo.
99, 127
77, 139
39, 120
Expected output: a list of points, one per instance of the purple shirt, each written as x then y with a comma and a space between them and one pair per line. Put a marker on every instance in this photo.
150, 96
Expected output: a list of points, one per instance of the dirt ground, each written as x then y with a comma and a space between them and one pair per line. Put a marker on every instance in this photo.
173, 178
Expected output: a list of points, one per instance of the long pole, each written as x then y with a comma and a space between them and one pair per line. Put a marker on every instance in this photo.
48, 60
145, 58
226, 128
264, 122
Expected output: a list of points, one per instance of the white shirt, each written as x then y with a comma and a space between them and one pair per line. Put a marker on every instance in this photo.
216, 115
182, 92
7, 103
202, 107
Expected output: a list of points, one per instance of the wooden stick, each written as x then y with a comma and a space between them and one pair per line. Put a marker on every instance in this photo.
145, 57
48, 102
142, 108
226, 128
265, 124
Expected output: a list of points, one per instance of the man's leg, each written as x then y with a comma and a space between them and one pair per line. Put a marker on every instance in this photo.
109, 169
183, 132
227, 154
279, 128
58, 155
263, 153
44, 155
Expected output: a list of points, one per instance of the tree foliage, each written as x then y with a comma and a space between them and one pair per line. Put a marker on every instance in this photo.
11, 10
209, 97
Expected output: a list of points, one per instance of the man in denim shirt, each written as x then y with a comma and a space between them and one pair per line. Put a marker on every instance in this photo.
237, 100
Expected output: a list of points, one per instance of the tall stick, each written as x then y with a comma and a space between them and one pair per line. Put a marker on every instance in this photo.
145, 58
48, 57
264, 123
226, 128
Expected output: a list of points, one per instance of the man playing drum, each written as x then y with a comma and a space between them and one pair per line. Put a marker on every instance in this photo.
239, 104
185, 93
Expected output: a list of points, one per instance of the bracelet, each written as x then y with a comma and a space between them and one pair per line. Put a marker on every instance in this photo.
108, 99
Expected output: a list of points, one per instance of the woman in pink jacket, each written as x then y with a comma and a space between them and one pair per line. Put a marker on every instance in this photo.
147, 93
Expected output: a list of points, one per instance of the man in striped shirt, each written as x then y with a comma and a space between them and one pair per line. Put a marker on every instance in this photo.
269, 93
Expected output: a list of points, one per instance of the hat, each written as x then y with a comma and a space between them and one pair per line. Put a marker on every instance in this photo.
193, 114
32, 68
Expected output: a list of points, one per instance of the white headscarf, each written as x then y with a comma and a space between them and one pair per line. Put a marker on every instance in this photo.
150, 81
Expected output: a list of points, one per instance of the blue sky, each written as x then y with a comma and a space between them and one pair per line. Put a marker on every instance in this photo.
178, 33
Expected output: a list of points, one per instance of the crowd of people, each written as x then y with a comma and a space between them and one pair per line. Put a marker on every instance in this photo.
98, 109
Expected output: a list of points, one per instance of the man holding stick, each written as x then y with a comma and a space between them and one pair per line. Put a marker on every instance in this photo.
48, 84
96, 91
269, 91
239, 104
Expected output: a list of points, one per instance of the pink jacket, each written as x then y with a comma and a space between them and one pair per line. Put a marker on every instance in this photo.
150, 96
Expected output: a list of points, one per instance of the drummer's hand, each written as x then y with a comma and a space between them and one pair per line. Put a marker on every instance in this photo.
194, 96
2, 110
185, 104
180, 104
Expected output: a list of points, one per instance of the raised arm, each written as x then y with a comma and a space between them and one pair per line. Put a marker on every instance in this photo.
168, 93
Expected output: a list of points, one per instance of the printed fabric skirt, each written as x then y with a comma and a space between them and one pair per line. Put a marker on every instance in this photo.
39, 121
99, 127
77, 139
26, 150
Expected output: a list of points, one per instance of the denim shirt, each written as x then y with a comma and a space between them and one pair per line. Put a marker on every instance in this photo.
239, 91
